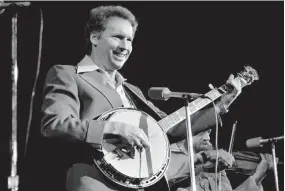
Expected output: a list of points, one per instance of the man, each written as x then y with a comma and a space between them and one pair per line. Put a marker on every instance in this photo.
75, 96
178, 170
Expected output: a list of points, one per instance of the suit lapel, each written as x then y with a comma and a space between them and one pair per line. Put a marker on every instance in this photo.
96, 80
87, 70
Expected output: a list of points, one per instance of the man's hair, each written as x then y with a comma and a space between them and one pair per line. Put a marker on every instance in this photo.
99, 17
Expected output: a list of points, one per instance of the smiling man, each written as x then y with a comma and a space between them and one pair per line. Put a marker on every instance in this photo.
75, 96
113, 46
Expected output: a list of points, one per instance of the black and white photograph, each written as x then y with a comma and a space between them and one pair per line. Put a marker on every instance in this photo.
142, 95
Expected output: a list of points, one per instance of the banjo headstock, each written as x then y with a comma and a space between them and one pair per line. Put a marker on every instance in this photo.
248, 75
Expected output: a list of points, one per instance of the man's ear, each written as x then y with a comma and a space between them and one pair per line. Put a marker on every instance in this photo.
94, 38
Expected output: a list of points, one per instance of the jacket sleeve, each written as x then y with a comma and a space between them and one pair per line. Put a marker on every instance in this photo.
249, 184
61, 110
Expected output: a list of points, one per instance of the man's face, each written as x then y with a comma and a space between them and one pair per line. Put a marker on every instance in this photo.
201, 141
114, 44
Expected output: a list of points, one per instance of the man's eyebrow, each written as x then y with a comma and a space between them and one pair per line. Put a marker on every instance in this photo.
203, 132
122, 35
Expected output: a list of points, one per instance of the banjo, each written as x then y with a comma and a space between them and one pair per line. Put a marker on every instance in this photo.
144, 168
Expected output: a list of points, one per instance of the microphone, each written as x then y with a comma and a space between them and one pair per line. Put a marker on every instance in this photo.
163, 93
258, 141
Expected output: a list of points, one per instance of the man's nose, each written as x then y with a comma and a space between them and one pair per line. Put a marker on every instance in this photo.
206, 137
124, 44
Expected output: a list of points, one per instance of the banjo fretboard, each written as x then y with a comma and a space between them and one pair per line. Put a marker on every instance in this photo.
178, 116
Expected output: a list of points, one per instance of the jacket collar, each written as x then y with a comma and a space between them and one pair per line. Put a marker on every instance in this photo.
87, 65
94, 75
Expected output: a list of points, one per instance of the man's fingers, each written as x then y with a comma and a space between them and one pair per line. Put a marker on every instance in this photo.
137, 142
143, 135
232, 160
145, 143
140, 142
235, 82
229, 161
231, 77
269, 158
227, 157
262, 156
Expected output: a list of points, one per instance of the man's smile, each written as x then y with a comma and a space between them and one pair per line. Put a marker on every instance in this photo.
120, 54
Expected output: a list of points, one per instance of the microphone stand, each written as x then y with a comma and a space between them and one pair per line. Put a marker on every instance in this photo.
274, 165
187, 98
13, 179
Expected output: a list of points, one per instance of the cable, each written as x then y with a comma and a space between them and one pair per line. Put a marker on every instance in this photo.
35, 83
216, 145
216, 142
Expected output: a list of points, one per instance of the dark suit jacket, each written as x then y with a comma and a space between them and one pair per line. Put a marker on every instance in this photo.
74, 96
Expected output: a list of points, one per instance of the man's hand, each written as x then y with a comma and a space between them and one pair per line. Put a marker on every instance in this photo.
230, 96
224, 157
265, 164
127, 134
236, 83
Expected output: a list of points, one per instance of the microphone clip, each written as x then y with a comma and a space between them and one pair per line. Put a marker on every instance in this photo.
188, 97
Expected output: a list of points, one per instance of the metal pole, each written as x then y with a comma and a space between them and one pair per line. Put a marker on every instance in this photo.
275, 166
190, 144
13, 180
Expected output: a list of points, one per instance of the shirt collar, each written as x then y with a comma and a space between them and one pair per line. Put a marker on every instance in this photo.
87, 65
179, 147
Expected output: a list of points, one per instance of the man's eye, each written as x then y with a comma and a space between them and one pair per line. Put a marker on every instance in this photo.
118, 37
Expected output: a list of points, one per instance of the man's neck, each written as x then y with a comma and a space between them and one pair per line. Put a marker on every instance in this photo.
111, 73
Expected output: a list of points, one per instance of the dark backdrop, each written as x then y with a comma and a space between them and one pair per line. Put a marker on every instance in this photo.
181, 45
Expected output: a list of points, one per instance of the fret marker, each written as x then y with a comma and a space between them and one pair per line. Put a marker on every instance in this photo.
211, 86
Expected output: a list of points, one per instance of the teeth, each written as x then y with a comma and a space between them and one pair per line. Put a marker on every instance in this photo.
120, 54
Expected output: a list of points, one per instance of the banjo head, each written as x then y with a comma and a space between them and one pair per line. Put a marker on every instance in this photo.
142, 168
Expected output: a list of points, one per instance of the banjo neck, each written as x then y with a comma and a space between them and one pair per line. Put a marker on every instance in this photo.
178, 116
247, 76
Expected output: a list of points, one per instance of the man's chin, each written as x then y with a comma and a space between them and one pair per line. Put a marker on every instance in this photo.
118, 65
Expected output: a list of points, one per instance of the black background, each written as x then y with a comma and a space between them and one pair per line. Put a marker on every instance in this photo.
180, 45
